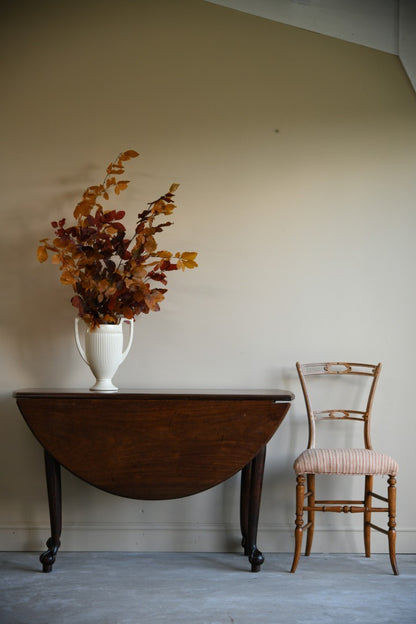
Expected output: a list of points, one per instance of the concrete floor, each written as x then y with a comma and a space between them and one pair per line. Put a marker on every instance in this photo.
205, 588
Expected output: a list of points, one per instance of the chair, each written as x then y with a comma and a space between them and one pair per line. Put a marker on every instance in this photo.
342, 461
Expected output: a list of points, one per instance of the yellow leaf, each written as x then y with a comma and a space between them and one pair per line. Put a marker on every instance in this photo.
55, 259
190, 264
173, 187
189, 255
164, 254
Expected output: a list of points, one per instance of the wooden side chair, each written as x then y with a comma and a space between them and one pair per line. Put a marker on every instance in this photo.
342, 461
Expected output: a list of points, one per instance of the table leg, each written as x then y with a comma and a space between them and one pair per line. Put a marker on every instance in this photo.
244, 505
53, 482
251, 486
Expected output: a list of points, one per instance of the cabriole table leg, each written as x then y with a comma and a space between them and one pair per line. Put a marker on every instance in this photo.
244, 505
53, 482
255, 557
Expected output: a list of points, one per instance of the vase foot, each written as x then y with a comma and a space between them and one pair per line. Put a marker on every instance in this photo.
104, 385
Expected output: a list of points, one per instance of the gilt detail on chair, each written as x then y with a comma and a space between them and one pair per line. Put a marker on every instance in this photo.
339, 414
338, 368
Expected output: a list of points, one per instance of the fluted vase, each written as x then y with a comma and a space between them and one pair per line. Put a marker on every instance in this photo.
104, 352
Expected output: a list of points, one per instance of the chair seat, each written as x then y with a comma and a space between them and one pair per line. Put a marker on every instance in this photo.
345, 461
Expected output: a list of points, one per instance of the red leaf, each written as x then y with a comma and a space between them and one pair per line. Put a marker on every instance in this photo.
77, 302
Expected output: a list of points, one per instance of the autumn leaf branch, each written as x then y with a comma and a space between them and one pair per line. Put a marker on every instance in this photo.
105, 290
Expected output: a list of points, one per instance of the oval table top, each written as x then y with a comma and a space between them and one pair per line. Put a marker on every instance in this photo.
151, 444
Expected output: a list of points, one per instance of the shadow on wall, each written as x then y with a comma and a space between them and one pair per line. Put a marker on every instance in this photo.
37, 305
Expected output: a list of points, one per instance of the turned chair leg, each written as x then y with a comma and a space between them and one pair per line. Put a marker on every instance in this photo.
368, 488
310, 480
300, 495
392, 523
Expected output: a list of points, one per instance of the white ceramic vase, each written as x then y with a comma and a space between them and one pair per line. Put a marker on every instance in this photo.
104, 352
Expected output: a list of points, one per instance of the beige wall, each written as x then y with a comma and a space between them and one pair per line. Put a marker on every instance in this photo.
305, 238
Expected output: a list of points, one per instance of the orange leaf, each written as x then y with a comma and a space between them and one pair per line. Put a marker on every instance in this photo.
138, 272
164, 254
150, 244
114, 168
128, 312
102, 285
109, 318
129, 154
153, 299
122, 184
42, 254
111, 230
67, 278
83, 208
68, 261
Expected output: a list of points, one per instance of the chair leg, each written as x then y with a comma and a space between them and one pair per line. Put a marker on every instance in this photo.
392, 522
368, 488
310, 480
300, 496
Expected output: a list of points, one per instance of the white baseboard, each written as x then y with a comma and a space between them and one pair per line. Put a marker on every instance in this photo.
184, 537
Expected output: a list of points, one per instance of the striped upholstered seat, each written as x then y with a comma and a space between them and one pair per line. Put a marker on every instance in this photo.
356, 461
342, 461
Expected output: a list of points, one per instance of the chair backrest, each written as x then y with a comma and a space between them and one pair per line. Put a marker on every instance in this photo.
341, 369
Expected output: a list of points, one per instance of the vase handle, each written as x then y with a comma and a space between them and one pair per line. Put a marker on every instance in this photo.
77, 341
127, 349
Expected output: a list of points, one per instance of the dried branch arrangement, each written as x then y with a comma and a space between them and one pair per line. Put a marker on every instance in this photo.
111, 274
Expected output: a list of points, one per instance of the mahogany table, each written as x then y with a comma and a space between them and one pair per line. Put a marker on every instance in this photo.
155, 445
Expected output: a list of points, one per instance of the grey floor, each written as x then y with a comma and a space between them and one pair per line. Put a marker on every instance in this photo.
205, 588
